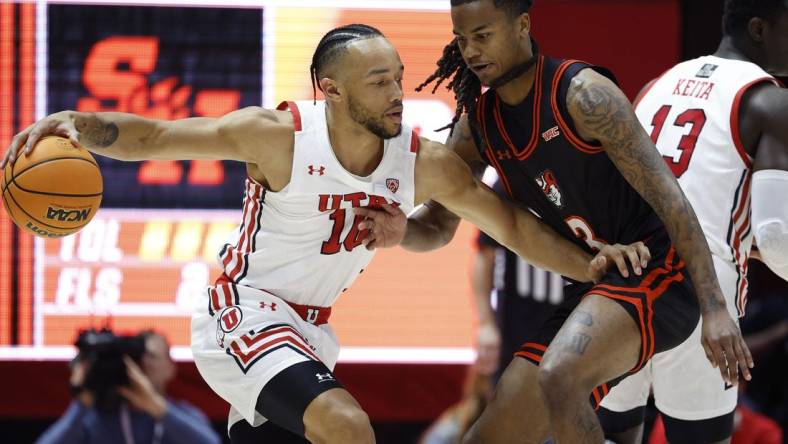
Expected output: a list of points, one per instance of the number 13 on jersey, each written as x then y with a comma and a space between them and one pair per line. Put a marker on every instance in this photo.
678, 157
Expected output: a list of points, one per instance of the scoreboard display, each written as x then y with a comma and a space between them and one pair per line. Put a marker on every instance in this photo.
145, 259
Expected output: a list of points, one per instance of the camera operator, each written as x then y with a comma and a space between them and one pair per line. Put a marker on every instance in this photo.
142, 413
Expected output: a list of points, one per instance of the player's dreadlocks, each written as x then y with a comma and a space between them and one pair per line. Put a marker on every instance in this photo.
333, 44
462, 80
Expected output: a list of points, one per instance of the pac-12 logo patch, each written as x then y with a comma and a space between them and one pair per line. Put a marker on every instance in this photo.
230, 318
548, 184
392, 185
706, 71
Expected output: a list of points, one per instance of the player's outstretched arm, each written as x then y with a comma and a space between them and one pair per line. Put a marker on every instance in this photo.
442, 176
767, 107
235, 136
432, 226
601, 112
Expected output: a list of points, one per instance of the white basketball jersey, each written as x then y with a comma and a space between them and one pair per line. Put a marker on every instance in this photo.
303, 243
692, 113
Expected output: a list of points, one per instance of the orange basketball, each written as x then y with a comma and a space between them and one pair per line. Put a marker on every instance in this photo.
53, 192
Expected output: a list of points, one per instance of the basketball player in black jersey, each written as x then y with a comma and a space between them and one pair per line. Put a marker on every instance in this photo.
567, 144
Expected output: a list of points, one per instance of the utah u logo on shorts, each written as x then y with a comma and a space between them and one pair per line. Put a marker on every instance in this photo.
230, 318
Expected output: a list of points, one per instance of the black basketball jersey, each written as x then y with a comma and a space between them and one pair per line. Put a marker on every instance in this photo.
543, 164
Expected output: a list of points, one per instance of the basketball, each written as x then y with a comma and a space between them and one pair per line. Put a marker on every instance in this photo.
53, 192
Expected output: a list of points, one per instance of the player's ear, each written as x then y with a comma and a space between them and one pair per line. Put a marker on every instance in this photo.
755, 28
524, 23
331, 89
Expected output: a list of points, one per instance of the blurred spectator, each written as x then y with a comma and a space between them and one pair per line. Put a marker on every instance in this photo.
145, 415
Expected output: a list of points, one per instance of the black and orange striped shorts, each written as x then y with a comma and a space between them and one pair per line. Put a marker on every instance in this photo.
661, 301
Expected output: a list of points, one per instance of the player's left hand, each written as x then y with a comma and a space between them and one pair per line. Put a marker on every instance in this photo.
386, 226
637, 254
724, 346
140, 392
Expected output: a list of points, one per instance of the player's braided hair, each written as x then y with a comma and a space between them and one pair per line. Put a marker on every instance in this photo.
738, 14
333, 44
452, 67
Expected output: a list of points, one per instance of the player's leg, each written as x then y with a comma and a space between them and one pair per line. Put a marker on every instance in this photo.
516, 409
272, 366
307, 400
599, 342
695, 402
622, 412
696, 405
622, 427
244, 433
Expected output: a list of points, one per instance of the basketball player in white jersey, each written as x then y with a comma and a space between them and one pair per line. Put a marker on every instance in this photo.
260, 337
720, 123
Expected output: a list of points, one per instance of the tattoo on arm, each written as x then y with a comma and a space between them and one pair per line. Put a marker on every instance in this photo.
96, 133
603, 112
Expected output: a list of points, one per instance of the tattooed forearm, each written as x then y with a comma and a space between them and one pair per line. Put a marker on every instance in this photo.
95, 132
603, 113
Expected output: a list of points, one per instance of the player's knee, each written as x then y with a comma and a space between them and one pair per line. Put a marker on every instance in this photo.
558, 381
348, 424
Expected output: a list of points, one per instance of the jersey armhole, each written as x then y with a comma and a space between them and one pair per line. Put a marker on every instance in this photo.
735, 132
558, 93
293, 108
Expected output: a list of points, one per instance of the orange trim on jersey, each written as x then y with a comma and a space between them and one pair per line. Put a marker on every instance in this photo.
646, 330
597, 398
605, 390
735, 134
293, 108
576, 141
533, 141
414, 142
535, 345
490, 154
525, 354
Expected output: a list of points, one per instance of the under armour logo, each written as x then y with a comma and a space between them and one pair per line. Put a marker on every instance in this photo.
324, 377
503, 155
320, 171
272, 305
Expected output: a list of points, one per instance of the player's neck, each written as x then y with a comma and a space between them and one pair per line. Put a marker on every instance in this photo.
729, 50
357, 150
517, 89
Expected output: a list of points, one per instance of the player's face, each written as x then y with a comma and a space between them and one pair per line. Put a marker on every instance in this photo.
776, 45
491, 40
374, 86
